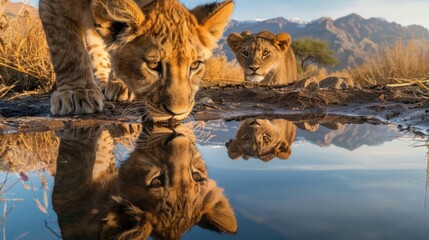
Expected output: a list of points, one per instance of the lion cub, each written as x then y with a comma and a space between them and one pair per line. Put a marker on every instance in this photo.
263, 139
156, 50
264, 57
161, 190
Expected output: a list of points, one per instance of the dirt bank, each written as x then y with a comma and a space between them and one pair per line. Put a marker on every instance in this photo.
406, 107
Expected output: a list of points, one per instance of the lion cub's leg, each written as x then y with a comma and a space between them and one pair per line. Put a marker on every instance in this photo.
113, 88
77, 92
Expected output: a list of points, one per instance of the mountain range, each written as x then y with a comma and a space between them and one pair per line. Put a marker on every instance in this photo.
351, 37
346, 136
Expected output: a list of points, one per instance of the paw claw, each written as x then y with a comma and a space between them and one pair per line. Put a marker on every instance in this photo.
80, 101
84, 133
117, 91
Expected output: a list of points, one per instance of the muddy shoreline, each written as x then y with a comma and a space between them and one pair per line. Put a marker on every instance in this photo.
404, 107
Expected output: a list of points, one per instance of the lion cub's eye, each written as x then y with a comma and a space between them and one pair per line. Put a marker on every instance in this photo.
265, 53
245, 137
266, 138
195, 65
197, 177
245, 54
155, 183
155, 66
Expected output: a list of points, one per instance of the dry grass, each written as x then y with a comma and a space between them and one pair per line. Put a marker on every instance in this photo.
29, 152
219, 70
25, 65
322, 73
24, 56
399, 65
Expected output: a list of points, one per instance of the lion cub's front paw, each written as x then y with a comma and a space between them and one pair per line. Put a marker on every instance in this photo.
81, 101
84, 133
117, 91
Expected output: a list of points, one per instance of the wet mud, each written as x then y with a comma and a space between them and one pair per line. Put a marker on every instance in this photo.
407, 108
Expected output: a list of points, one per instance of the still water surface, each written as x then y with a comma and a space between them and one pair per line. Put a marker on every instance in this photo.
330, 181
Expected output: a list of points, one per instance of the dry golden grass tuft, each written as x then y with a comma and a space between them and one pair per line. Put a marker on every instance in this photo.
321, 73
24, 56
402, 64
29, 151
219, 70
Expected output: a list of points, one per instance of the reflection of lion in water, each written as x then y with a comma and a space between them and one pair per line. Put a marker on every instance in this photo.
161, 190
263, 139
264, 57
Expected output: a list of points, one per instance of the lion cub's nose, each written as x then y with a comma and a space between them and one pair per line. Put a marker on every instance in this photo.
175, 110
254, 68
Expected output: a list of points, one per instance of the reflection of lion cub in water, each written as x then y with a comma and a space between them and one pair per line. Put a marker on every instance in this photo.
264, 57
161, 190
263, 139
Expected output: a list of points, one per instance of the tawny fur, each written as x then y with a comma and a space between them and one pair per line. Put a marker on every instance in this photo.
156, 54
92, 203
263, 139
265, 57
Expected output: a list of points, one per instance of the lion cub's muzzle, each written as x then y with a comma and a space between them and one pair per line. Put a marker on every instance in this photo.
169, 107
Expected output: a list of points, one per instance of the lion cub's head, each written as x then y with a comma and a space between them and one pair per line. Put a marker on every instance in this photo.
164, 190
260, 55
263, 139
158, 48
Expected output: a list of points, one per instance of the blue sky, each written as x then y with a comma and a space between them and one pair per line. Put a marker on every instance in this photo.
400, 11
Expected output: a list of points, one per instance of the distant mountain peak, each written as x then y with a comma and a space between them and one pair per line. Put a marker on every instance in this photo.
299, 21
355, 16
260, 19
351, 18
323, 20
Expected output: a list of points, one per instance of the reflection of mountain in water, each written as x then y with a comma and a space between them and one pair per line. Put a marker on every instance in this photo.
217, 132
348, 136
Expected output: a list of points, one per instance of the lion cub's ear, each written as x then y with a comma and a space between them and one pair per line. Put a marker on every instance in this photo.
117, 19
213, 19
125, 221
234, 41
234, 149
217, 212
283, 152
283, 40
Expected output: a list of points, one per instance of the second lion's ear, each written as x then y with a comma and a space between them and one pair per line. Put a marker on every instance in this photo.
284, 151
283, 40
117, 20
234, 41
234, 149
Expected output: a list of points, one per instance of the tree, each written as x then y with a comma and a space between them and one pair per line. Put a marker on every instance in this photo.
313, 51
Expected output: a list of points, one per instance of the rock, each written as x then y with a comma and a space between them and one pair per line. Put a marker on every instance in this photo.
206, 101
333, 125
338, 83
307, 83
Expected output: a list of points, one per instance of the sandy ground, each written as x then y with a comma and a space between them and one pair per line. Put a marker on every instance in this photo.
406, 107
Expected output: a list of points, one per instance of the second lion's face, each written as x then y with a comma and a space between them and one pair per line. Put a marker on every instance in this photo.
260, 55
